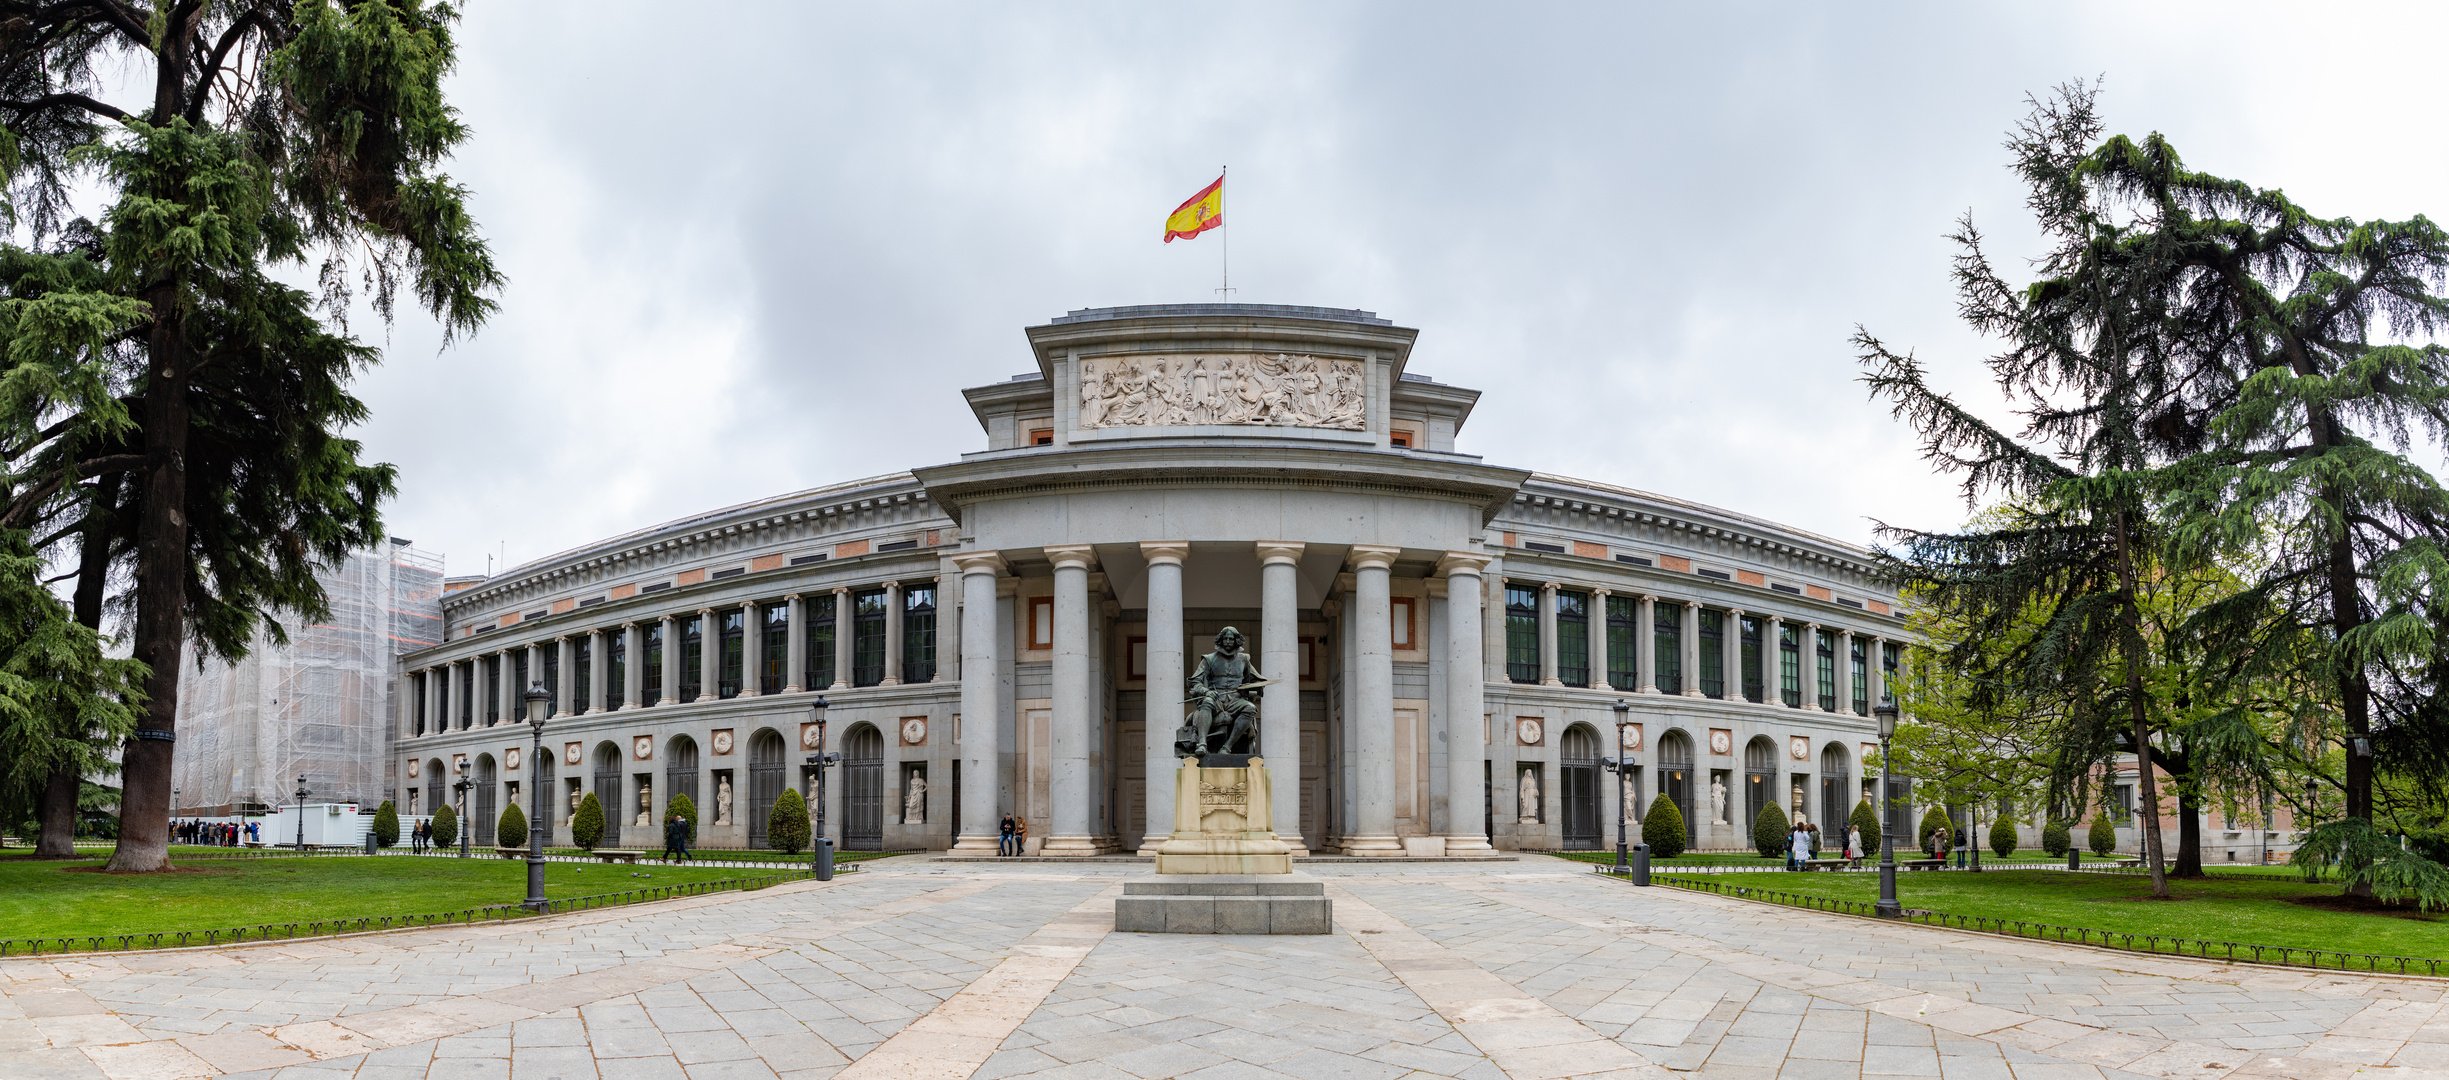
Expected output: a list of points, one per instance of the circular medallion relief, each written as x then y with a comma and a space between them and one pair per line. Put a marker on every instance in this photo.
722, 742
1529, 730
914, 731
1721, 742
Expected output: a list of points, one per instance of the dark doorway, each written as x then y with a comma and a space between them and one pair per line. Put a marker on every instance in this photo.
1578, 788
764, 782
863, 790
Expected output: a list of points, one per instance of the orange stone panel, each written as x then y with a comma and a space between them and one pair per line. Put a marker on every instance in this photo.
1880, 606
763, 563
1512, 541
1676, 563
510, 619
560, 606
1817, 592
624, 592
691, 577
1752, 578
849, 549
1588, 550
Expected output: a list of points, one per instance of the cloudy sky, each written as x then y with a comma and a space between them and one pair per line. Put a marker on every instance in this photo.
758, 248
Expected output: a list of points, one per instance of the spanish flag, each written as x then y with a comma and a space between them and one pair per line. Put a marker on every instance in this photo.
1197, 214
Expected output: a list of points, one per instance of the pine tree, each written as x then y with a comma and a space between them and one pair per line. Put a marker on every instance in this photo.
1866, 820
511, 830
1769, 831
2103, 837
387, 825
587, 823
446, 827
2056, 838
786, 827
2002, 836
681, 807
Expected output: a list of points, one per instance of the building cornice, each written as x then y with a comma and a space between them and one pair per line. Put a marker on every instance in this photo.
1221, 462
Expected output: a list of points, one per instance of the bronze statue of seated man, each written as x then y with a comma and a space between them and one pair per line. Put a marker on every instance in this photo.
1224, 692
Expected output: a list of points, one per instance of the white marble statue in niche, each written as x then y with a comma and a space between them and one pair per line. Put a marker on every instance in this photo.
722, 800
1278, 390
1717, 800
914, 804
1529, 799
646, 807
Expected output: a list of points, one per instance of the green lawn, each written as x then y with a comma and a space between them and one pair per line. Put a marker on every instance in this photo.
51, 898
2252, 907
1730, 858
763, 855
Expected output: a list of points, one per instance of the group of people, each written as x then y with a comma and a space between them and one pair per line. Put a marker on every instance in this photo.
421, 837
1012, 836
217, 833
1803, 845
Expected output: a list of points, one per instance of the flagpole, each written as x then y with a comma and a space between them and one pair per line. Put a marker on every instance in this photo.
1224, 237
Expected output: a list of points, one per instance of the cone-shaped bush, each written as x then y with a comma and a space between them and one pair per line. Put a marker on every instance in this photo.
387, 824
587, 823
1933, 820
511, 831
1867, 820
1769, 831
2104, 835
1663, 828
446, 827
2002, 836
680, 807
2056, 838
786, 827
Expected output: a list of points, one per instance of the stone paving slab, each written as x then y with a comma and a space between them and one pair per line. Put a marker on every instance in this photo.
930, 968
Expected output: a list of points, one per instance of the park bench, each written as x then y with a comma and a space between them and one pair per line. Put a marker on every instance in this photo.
612, 855
1825, 864
511, 852
1921, 864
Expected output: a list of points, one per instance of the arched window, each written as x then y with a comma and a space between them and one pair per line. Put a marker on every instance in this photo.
1759, 777
488, 793
608, 791
1836, 791
1675, 779
680, 774
1578, 788
764, 781
863, 789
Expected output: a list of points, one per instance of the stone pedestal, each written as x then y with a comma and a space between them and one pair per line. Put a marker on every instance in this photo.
1223, 871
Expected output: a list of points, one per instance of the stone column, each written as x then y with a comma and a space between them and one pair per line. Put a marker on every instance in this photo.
841, 637
981, 704
508, 692
565, 676
1279, 705
892, 634
1374, 682
1161, 706
1068, 778
428, 718
535, 674
946, 585
794, 645
1807, 660
671, 660
1732, 643
1879, 672
1772, 661
450, 697
1594, 629
709, 655
1845, 671
1492, 622
1466, 706
633, 668
1645, 643
1547, 634
752, 650
1689, 643
599, 670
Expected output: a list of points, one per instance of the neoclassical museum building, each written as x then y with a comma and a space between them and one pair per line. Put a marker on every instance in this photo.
1451, 642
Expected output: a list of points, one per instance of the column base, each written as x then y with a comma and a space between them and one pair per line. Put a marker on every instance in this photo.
1372, 847
1292, 843
975, 844
1148, 847
1694, 693
889, 681
1072, 847
1468, 845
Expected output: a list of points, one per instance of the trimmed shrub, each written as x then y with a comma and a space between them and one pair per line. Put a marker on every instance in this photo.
2056, 839
1933, 821
681, 807
2104, 835
1769, 831
1867, 820
1663, 828
446, 827
2002, 837
511, 831
587, 823
387, 825
786, 827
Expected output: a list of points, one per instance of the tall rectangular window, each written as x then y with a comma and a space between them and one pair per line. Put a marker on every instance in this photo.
1890, 656
1621, 656
1572, 638
867, 637
518, 679
1521, 634
692, 657
582, 666
616, 668
1790, 665
918, 634
1750, 659
1667, 646
1827, 649
552, 680
493, 688
773, 646
1862, 679
467, 695
820, 641
732, 663
1713, 653
650, 639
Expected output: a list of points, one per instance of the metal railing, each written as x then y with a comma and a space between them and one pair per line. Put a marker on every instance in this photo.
261, 932
2157, 944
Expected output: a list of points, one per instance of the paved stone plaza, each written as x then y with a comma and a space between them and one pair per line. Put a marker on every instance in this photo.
919, 968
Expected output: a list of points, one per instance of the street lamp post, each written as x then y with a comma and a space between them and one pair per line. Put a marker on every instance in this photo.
1620, 764
1887, 908
462, 787
538, 699
820, 846
301, 813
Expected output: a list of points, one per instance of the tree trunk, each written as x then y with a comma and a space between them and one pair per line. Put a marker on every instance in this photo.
58, 813
2146, 784
2189, 833
161, 592
58, 809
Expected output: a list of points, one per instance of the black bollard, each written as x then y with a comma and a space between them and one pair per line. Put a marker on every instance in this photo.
1641, 864
2074, 858
824, 858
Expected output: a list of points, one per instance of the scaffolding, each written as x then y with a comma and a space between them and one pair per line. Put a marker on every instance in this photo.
320, 706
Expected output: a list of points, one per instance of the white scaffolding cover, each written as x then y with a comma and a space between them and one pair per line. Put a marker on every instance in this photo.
320, 706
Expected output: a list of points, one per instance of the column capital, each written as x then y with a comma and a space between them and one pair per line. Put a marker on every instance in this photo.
841, 590
1601, 592
1076, 556
1372, 557
790, 598
1690, 605
1276, 551
979, 562
1734, 613
1547, 586
1471, 563
1164, 552
893, 586
706, 611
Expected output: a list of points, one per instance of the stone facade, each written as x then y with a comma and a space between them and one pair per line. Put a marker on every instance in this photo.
1008, 632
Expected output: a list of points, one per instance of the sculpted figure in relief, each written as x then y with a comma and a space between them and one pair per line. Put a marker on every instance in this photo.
1279, 390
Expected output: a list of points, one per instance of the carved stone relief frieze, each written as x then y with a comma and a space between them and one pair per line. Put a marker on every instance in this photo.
1276, 390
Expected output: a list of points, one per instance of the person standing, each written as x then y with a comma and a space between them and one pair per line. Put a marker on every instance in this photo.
1853, 845
1798, 849
676, 839
1004, 844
